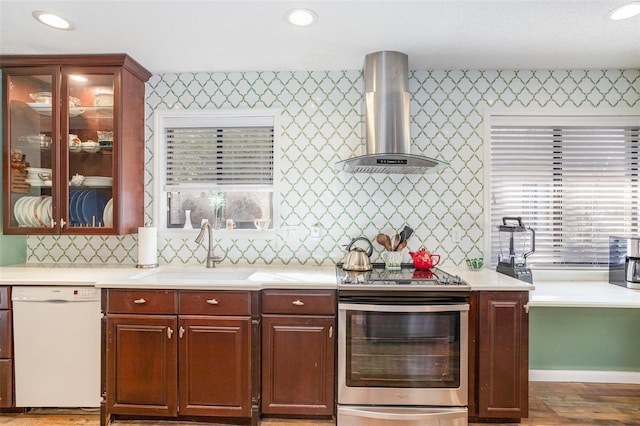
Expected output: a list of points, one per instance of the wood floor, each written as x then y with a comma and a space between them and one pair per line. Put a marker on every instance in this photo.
550, 404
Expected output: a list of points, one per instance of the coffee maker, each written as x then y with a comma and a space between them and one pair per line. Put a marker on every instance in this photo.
517, 242
624, 261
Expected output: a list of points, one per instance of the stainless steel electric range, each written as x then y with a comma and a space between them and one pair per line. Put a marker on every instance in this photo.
402, 347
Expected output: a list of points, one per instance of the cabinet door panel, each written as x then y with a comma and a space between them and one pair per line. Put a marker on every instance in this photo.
31, 133
503, 354
141, 368
215, 366
5, 334
6, 383
298, 364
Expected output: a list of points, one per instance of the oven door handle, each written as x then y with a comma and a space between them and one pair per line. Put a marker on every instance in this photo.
403, 308
387, 413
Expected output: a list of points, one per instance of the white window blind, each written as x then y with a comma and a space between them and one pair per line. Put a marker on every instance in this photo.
205, 156
574, 180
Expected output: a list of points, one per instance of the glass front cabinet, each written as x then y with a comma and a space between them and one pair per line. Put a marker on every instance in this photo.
73, 144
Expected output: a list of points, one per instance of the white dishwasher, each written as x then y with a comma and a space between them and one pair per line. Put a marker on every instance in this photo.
56, 333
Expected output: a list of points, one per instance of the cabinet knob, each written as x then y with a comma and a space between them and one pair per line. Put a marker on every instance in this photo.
330, 332
139, 301
181, 332
169, 332
212, 301
62, 223
298, 302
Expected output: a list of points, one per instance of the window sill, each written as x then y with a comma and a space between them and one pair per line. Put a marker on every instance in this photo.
221, 234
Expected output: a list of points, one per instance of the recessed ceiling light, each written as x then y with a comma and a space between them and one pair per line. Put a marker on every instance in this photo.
52, 20
301, 17
626, 11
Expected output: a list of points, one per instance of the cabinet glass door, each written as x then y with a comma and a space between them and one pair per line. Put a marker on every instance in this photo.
31, 139
88, 134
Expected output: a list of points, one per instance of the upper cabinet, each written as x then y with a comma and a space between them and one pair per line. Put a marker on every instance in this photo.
73, 144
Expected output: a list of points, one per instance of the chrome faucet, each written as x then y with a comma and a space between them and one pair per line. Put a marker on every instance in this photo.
212, 259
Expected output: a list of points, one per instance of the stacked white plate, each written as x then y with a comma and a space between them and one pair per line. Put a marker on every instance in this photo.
97, 181
33, 211
108, 214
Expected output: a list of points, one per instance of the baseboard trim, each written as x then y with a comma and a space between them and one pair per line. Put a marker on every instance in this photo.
587, 376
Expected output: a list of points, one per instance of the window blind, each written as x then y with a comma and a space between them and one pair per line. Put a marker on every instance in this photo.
204, 156
575, 183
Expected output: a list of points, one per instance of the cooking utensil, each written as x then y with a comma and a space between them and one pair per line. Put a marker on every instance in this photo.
402, 245
384, 241
396, 242
358, 259
406, 232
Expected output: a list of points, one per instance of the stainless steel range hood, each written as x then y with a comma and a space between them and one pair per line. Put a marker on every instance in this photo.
386, 81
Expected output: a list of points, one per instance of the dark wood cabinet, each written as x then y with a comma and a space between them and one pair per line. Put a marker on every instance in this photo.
215, 366
142, 365
6, 349
298, 352
179, 353
499, 359
73, 144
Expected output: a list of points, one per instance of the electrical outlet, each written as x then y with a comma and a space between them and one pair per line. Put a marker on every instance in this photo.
316, 232
290, 233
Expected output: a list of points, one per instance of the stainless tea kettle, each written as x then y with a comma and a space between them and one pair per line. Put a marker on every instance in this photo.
358, 259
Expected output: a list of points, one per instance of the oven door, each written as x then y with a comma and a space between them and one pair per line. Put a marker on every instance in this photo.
403, 354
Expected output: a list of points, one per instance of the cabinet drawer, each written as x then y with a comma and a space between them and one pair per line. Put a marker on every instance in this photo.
5, 298
142, 302
215, 302
299, 302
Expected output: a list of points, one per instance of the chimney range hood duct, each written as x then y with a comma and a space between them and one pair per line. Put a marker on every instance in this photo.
386, 81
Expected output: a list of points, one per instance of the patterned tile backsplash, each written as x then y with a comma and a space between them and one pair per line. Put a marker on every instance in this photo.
322, 124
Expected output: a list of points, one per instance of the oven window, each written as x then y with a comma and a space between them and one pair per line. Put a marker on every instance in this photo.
403, 350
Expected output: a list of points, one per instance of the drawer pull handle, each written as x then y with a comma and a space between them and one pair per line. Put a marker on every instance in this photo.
298, 303
213, 301
169, 332
330, 332
139, 301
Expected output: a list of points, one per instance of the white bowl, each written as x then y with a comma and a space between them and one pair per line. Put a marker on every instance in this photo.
90, 146
41, 97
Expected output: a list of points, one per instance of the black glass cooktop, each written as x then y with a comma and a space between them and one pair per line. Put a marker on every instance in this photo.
407, 276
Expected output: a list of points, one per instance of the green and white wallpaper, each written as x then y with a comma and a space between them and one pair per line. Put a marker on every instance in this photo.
321, 118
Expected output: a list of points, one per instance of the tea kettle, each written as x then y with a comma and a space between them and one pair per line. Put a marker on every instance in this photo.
358, 259
422, 259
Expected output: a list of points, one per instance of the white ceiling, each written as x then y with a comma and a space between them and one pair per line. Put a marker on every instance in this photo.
238, 35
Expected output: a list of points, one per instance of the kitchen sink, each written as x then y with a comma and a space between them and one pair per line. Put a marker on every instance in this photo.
193, 276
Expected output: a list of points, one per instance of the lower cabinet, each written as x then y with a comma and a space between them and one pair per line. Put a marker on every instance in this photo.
178, 353
298, 352
499, 357
6, 349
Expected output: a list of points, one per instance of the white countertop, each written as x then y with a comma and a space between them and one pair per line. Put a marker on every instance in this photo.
580, 289
249, 277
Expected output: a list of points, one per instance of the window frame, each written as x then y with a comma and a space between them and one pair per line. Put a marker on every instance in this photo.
200, 117
537, 115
